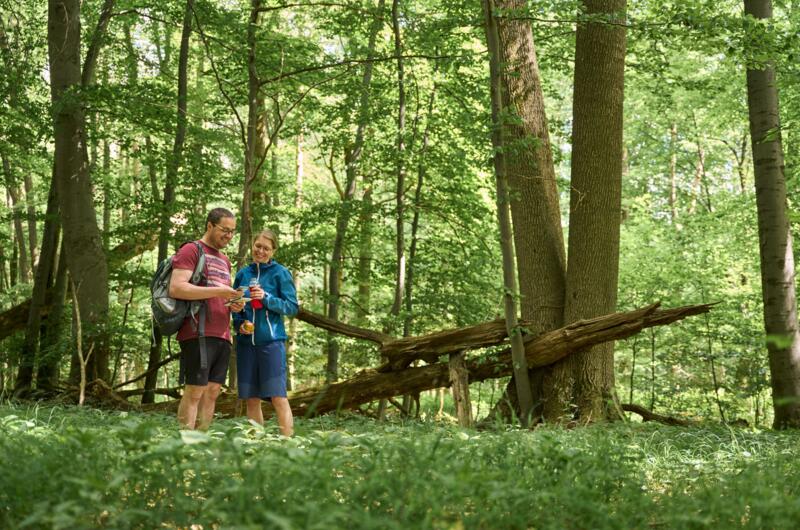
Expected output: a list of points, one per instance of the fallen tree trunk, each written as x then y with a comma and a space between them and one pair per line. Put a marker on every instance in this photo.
648, 415
341, 328
16, 318
400, 353
546, 349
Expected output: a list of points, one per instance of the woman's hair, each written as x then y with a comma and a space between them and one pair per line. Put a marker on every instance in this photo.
266, 234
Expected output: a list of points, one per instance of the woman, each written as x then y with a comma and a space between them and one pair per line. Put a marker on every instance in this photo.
261, 336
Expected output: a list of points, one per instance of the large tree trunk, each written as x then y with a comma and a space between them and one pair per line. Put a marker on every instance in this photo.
352, 158
85, 257
538, 236
774, 235
582, 387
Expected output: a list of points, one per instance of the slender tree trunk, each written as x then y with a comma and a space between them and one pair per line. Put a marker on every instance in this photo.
174, 162
520, 365
739, 153
106, 194
673, 173
652, 370
296, 237
774, 234
740, 167
352, 158
50, 358
30, 202
252, 161
4, 283
400, 168
582, 386
633, 366
85, 257
412, 251
365, 253
23, 265
44, 272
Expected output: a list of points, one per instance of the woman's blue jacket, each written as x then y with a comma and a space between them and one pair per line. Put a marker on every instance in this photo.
280, 298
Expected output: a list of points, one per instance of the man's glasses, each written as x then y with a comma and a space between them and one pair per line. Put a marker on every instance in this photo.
226, 231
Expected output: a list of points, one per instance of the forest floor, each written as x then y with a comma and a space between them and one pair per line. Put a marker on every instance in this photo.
65, 467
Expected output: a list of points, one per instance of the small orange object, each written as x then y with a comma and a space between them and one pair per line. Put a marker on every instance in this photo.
248, 326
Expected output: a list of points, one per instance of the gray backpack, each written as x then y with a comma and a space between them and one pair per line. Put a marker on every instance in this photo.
169, 313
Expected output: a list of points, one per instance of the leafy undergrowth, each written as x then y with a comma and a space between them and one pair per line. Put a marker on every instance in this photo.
82, 468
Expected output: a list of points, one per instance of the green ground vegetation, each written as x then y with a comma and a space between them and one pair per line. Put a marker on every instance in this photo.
84, 468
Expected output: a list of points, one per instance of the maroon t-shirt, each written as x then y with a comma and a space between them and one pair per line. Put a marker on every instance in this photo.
218, 272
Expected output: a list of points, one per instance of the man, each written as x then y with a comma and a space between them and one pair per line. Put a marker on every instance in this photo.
196, 409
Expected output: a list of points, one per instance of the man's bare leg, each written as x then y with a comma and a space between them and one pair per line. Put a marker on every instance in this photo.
188, 407
205, 411
284, 413
254, 410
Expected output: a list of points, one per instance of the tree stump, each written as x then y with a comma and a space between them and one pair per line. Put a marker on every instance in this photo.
459, 382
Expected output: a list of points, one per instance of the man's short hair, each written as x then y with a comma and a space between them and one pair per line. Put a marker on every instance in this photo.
216, 214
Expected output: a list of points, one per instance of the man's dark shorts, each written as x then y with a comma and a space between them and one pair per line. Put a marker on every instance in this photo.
218, 352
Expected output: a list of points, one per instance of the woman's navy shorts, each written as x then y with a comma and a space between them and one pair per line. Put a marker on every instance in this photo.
261, 370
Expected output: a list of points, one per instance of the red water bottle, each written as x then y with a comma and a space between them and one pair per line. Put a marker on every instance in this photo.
257, 304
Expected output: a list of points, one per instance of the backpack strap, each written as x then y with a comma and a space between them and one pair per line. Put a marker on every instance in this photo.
198, 275
200, 268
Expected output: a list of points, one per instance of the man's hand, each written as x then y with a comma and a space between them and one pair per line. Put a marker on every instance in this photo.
226, 292
246, 328
237, 306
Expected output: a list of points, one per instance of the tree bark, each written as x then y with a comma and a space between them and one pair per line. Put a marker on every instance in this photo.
774, 235
85, 257
459, 382
535, 209
582, 387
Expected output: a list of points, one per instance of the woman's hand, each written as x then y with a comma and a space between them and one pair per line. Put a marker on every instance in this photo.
246, 328
256, 293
